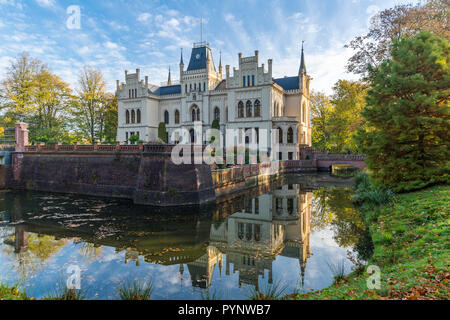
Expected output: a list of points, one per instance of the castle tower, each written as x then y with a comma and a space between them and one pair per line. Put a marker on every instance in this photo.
304, 81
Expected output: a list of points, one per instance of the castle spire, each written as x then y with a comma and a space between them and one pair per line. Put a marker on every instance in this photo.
181, 60
169, 80
302, 62
220, 64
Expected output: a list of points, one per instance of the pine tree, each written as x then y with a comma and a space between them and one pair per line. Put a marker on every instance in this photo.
408, 124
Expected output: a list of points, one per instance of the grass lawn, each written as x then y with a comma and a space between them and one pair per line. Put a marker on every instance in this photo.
412, 242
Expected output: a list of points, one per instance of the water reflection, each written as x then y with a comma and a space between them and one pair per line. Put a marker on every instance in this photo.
252, 236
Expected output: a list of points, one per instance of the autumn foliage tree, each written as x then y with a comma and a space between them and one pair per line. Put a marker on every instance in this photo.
408, 123
392, 24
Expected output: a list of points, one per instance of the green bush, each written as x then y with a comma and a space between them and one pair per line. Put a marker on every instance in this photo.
162, 132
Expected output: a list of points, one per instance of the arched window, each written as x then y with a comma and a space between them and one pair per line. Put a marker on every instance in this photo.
138, 116
257, 232
257, 108
166, 117
216, 113
185, 88
304, 112
195, 113
133, 116
127, 116
290, 135
248, 231
280, 135
240, 231
240, 109
192, 135
177, 116
248, 108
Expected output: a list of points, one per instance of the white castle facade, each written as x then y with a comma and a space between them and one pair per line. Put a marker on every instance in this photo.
249, 98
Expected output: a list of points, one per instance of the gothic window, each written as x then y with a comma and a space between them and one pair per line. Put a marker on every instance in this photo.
127, 116
216, 113
129, 93
304, 113
240, 231
135, 93
279, 205
280, 136
243, 81
290, 206
248, 231
257, 109
195, 113
138, 116
204, 86
185, 88
166, 117
195, 87
192, 135
248, 81
133, 116
240, 109
248, 108
290, 135
253, 80
257, 232
177, 116
190, 86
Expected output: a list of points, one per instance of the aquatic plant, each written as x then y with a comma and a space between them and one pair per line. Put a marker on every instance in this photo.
136, 290
337, 270
271, 291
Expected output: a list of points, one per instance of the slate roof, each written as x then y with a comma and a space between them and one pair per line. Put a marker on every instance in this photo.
162, 91
222, 85
288, 83
200, 63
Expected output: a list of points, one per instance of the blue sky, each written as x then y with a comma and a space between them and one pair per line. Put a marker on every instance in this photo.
118, 35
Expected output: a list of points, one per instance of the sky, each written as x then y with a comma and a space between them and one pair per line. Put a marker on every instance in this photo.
118, 35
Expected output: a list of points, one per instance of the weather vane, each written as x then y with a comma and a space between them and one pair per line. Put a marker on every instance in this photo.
21, 117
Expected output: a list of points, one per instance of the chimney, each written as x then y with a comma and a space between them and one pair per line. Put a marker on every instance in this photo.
270, 66
146, 81
138, 74
126, 73
117, 84
227, 68
240, 56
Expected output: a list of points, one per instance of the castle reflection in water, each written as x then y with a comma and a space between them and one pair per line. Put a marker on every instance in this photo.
250, 230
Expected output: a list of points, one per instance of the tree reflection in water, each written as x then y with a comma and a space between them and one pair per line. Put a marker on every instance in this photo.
245, 235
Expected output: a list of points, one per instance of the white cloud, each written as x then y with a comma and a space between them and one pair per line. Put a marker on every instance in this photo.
46, 3
144, 17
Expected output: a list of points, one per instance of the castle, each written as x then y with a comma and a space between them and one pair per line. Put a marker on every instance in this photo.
250, 98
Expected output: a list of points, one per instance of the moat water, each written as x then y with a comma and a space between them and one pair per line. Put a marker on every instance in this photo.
294, 235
